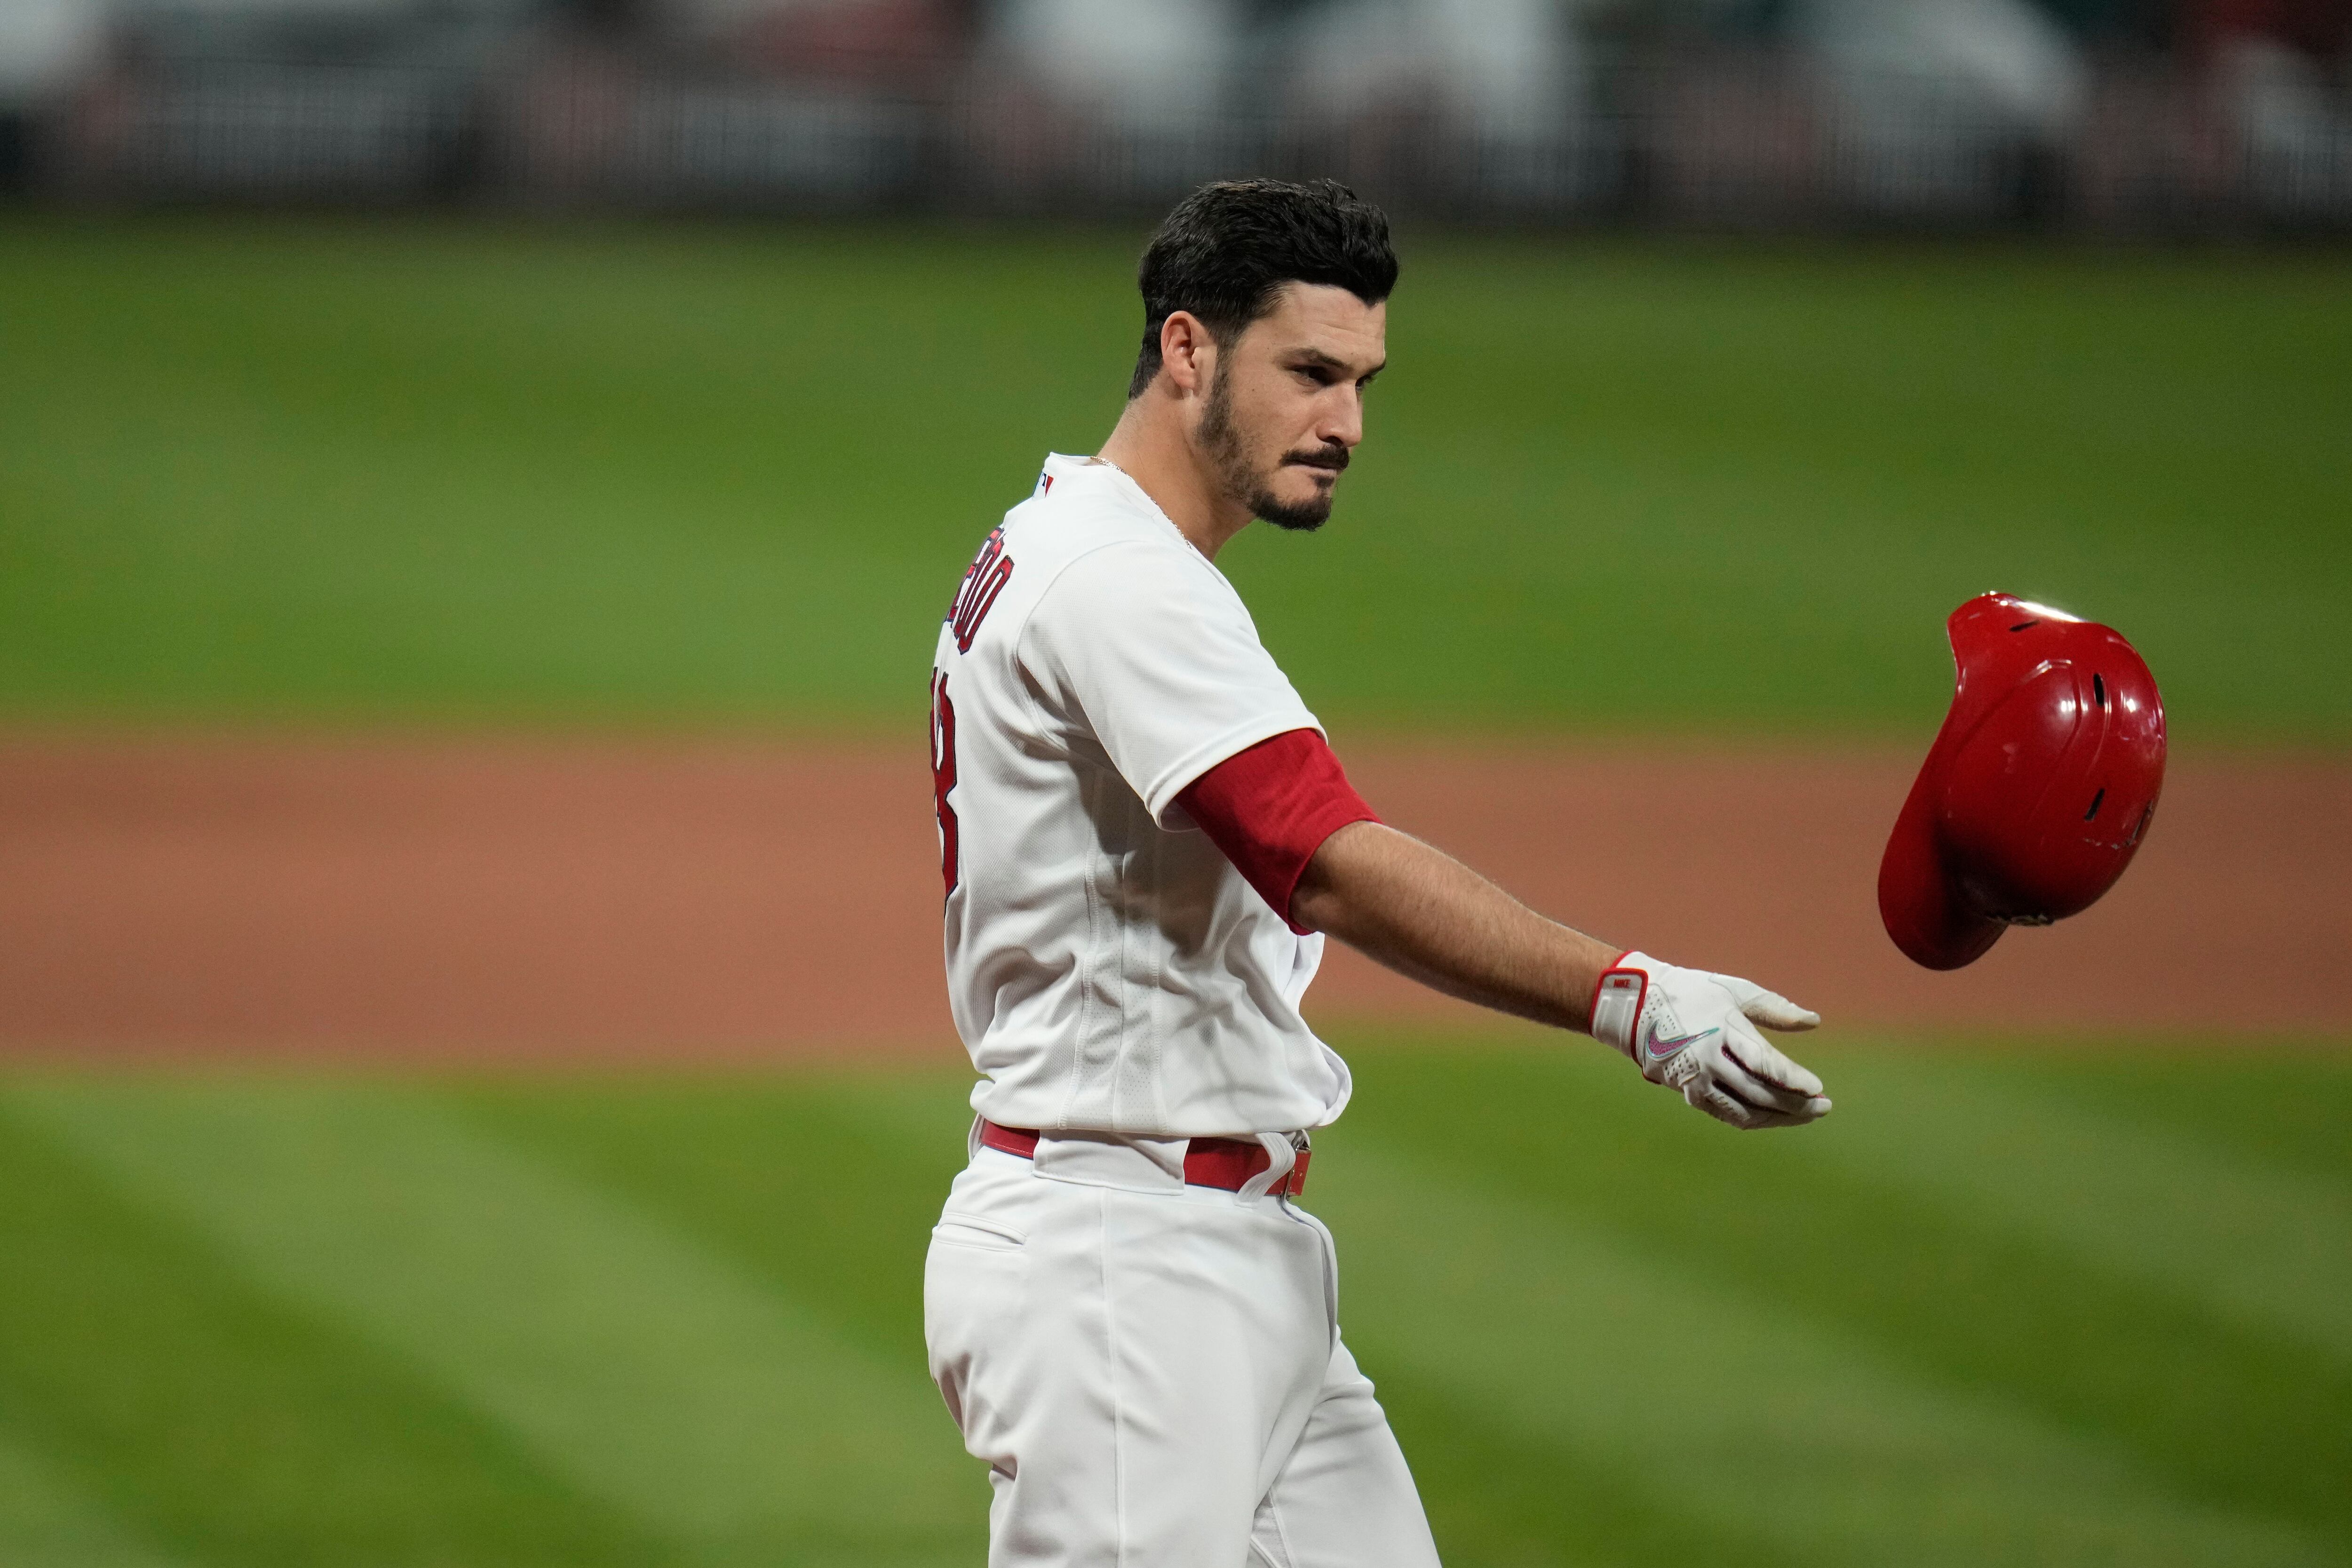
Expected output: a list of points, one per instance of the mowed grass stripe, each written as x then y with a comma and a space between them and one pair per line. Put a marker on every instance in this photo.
824, 1185
2281, 1108
48, 1522
303, 466
1500, 1492
2265, 1246
146, 1380
643, 1368
1609, 1331
433, 494
1764, 1427
1964, 1295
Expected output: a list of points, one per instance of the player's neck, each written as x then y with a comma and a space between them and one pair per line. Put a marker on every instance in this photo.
1151, 446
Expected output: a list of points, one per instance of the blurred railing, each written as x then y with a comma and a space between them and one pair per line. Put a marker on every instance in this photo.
1744, 139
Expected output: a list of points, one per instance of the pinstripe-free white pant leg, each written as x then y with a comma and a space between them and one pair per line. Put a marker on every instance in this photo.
1154, 1376
1343, 1496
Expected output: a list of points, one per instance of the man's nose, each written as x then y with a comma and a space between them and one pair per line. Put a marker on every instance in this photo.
1342, 417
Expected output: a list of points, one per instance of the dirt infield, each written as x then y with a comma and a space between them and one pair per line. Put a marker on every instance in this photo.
466, 900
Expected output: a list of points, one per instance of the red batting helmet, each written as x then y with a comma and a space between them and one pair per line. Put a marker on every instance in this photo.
2039, 786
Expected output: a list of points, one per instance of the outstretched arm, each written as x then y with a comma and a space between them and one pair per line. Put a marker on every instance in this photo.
1426, 915
1283, 814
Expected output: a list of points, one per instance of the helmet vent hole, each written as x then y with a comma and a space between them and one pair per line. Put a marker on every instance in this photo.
2022, 625
2096, 802
2099, 691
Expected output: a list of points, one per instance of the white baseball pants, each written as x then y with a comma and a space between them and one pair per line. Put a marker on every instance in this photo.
1153, 1370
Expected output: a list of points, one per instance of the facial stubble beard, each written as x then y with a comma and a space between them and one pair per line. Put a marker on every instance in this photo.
1223, 442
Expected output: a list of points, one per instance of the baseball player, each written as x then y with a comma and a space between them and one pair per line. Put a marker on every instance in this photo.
1144, 840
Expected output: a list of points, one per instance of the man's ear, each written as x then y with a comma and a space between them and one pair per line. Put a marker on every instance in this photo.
1188, 354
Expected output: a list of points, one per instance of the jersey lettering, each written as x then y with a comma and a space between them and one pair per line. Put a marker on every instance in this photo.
976, 595
944, 780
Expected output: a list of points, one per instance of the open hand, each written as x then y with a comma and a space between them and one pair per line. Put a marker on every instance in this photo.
1695, 1031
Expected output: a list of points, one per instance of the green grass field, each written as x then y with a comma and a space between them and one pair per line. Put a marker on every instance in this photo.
2036, 1306
304, 468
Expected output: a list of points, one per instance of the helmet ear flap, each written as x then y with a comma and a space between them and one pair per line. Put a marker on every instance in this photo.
2038, 790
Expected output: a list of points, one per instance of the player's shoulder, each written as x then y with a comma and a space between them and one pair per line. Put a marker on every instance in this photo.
1081, 507
1089, 557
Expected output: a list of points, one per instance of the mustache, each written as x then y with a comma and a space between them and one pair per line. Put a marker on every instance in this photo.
1333, 456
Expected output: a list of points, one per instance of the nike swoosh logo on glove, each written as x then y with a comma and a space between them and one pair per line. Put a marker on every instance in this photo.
1660, 1049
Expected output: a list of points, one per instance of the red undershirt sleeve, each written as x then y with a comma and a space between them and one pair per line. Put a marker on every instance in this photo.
1270, 807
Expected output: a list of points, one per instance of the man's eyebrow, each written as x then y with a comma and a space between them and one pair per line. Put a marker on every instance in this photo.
1316, 356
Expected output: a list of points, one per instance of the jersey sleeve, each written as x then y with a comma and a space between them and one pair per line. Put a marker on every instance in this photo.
1271, 807
1151, 651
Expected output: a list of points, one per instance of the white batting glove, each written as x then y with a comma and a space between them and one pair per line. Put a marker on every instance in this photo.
1695, 1031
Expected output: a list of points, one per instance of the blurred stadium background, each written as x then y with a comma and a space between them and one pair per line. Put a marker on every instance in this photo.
477, 481
2111, 115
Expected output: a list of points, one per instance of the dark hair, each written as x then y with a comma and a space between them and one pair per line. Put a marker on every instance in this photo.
1229, 247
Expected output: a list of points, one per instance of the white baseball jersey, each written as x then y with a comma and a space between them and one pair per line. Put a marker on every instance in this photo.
1107, 967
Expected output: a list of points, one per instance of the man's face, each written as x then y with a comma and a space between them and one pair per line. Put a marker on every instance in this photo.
1285, 405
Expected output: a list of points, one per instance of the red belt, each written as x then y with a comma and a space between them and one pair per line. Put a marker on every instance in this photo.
1226, 1162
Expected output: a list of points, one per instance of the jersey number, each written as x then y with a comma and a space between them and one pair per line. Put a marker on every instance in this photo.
943, 777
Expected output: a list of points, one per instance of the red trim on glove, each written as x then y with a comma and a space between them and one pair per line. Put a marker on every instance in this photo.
1593, 1014
1270, 807
1601, 988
